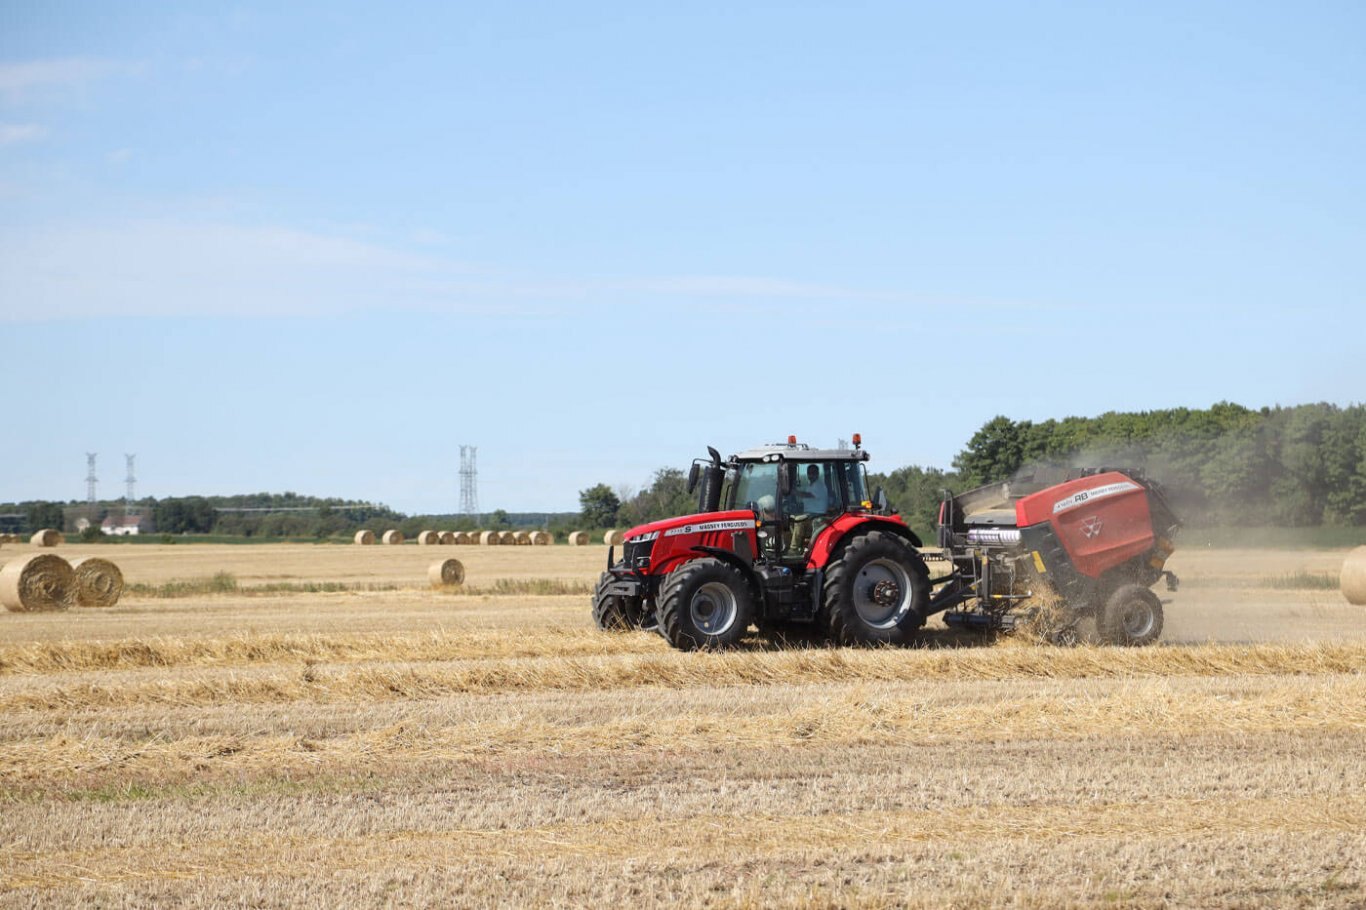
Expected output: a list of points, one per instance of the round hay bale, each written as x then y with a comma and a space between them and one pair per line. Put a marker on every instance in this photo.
523, 538
489, 539
445, 573
38, 582
542, 538
365, 538
1353, 579
507, 538
446, 537
578, 538
613, 538
462, 538
98, 582
47, 537
393, 537
428, 539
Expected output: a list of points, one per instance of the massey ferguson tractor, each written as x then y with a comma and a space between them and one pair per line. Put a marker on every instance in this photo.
788, 538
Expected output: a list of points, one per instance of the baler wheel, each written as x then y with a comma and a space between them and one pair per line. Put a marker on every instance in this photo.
1131, 616
706, 604
613, 612
876, 591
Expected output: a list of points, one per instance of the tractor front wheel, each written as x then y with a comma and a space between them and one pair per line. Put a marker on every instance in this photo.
613, 612
1132, 616
876, 591
705, 604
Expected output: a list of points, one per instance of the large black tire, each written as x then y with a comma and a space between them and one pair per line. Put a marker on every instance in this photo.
706, 604
1131, 616
876, 591
613, 612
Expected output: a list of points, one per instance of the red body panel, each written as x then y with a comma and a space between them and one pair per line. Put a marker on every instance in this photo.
1102, 521
676, 537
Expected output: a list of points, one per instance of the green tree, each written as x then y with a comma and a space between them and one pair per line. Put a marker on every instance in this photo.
916, 492
994, 452
598, 506
666, 497
43, 514
1301, 490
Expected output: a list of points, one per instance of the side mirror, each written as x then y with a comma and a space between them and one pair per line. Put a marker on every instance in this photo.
880, 501
693, 474
787, 478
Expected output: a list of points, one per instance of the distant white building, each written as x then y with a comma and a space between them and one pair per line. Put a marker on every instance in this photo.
126, 525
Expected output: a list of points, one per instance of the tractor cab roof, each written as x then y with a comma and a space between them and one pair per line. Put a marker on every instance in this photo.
798, 452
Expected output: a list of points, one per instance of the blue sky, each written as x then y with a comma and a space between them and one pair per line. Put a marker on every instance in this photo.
317, 248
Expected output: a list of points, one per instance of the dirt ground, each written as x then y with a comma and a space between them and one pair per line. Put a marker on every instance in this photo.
407, 746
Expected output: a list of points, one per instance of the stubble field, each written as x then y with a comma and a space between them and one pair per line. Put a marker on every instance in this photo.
331, 731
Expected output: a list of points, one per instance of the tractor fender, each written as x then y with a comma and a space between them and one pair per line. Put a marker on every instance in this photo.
846, 526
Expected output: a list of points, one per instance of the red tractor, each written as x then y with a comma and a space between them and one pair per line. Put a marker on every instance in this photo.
788, 537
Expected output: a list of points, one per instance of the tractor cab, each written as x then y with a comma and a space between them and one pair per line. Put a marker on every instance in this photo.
794, 491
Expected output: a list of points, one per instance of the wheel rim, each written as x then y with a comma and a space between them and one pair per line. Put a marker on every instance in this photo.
713, 608
882, 593
1137, 619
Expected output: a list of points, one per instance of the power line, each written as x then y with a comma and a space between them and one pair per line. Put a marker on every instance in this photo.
90, 478
469, 481
130, 496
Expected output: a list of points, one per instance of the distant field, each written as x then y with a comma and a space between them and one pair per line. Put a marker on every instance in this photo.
409, 746
1275, 537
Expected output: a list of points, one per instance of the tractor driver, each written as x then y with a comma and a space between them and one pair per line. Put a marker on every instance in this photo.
813, 501
815, 498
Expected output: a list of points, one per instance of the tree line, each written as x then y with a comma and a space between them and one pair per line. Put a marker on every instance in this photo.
1302, 466
1226, 465
266, 515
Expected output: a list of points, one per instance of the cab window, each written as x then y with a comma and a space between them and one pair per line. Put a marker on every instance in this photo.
757, 484
853, 482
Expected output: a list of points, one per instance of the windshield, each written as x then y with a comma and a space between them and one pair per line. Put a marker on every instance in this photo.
820, 487
756, 485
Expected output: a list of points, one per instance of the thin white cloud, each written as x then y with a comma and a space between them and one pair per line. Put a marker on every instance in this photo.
18, 80
15, 133
175, 268
179, 267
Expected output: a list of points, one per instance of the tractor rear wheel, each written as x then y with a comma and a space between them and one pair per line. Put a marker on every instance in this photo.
1132, 616
706, 604
613, 612
876, 591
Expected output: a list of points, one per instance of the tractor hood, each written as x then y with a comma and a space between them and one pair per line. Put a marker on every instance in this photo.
734, 520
